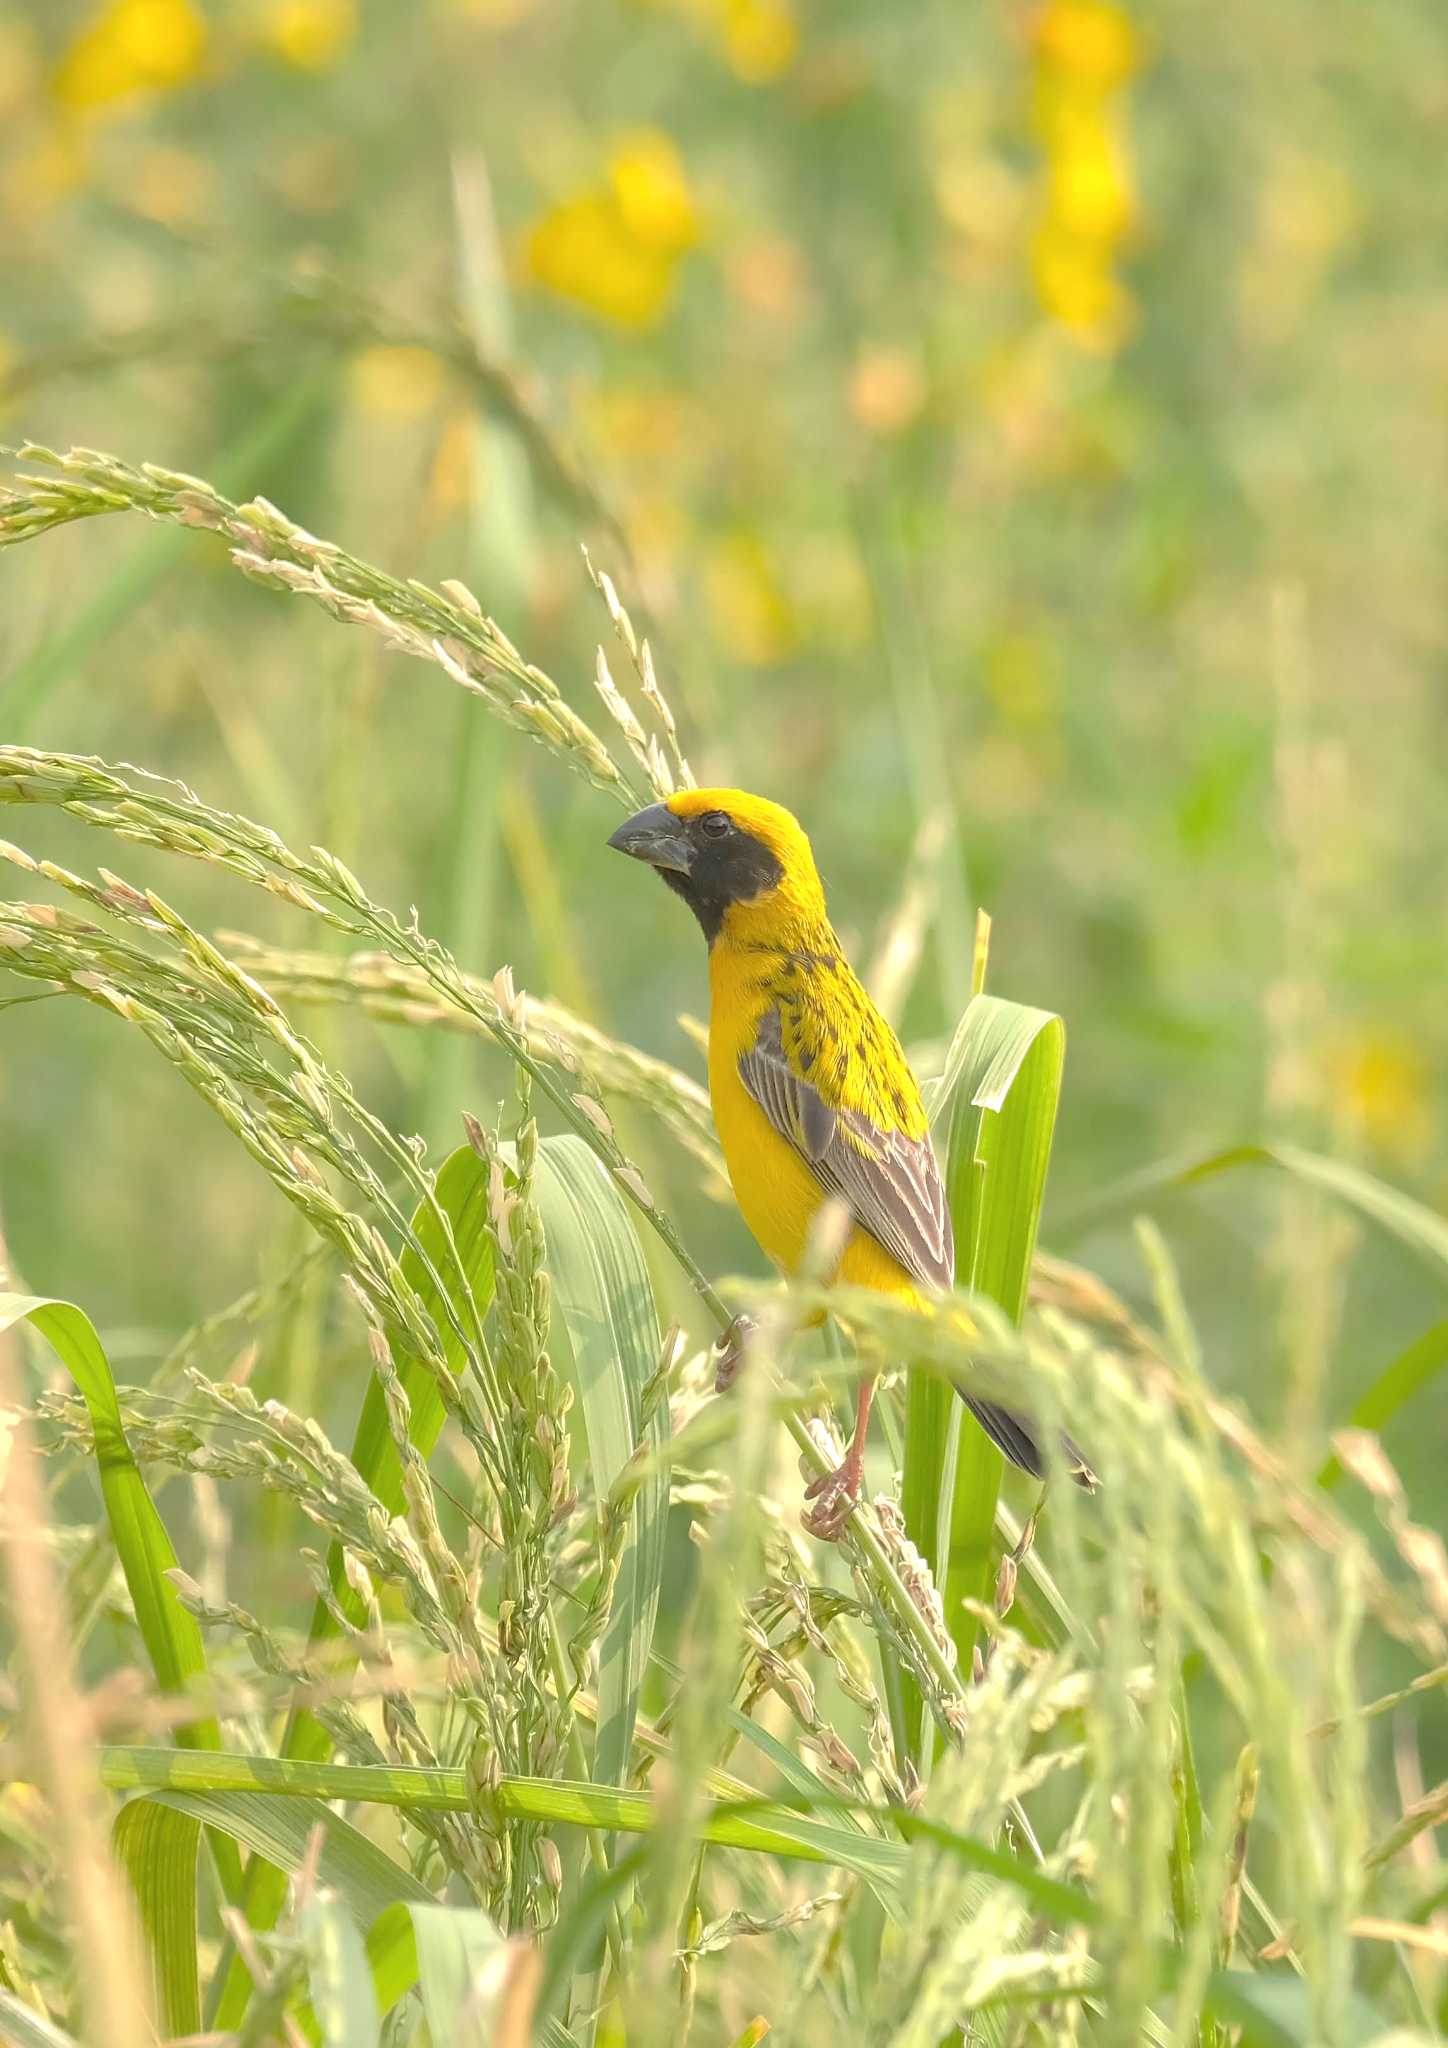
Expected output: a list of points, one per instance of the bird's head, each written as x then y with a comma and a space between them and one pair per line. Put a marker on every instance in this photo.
742, 864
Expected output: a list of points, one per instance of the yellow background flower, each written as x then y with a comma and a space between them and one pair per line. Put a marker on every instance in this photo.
312, 34
130, 47
615, 247
1084, 52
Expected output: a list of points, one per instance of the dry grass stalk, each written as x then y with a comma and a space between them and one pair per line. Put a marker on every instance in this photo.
446, 627
59, 1741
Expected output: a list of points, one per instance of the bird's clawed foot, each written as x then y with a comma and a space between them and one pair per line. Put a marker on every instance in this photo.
731, 1350
834, 1496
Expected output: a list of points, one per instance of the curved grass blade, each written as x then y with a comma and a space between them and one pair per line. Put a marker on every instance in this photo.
272, 1804
259, 1782
1001, 1129
811, 1791
22, 2027
1274, 2009
244, 1789
575, 1940
459, 1951
392, 1954
1409, 1221
1186, 1839
1063, 1901
794, 1771
172, 1636
156, 1847
280, 1830
156, 1838
1002, 1083
344, 2002
1395, 1386
443, 1950
604, 1308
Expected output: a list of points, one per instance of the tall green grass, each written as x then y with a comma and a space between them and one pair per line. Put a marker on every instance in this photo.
584, 1740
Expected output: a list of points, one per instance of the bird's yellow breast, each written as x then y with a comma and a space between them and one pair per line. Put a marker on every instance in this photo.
778, 1196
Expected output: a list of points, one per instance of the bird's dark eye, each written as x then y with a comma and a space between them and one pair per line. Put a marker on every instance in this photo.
716, 824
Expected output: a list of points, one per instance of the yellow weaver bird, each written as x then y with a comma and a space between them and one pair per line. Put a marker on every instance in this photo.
812, 1095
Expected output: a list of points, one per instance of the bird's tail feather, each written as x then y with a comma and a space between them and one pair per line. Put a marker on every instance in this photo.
1019, 1441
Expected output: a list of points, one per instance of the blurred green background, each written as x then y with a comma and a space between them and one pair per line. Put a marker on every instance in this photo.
1024, 426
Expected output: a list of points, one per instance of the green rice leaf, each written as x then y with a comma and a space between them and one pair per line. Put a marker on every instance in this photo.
927, 1483
247, 1785
156, 1847
605, 1323
22, 2027
459, 1953
453, 1954
1186, 1836
1001, 1128
1414, 1225
1002, 1083
156, 1836
795, 1772
1274, 2009
1002, 1125
344, 2002
279, 1830
171, 1635
392, 1953
407, 1947
1003, 1121
1395, 1386
244, 1791
572, 1946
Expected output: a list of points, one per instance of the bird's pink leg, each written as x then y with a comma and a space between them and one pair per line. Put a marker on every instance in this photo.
731, 1350
834, 1494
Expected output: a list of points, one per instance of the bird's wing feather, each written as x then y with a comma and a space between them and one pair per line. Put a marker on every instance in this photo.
889, 1180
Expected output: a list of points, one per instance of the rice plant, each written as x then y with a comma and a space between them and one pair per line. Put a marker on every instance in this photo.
584, 1739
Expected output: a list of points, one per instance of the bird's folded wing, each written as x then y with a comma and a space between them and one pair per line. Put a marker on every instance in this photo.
889, 1181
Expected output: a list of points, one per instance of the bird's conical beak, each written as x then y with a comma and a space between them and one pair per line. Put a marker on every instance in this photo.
657, 837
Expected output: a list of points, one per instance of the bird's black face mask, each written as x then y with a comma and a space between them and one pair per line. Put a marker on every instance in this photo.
710, 860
